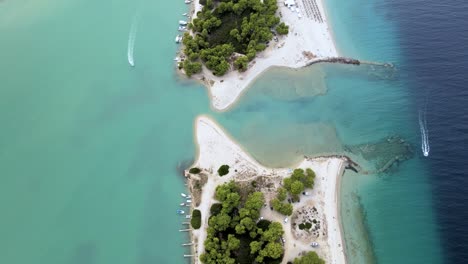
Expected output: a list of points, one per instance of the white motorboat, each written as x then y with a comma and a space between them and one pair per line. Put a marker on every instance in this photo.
181, 212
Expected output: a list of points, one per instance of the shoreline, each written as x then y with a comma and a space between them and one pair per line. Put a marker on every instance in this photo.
308, 41
215, 147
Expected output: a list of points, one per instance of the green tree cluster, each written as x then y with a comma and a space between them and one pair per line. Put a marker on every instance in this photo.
298, 181
305, 225
278, 203
310, 258
234, 222
195, 221
227, 26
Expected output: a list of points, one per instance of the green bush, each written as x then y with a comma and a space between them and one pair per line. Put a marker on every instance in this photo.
194, 170
282, 29
196, 219
223, 170
216, 208
309, 258
308, 225
301, 226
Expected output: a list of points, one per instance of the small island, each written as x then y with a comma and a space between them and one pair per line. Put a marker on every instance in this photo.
243, 212
231, 42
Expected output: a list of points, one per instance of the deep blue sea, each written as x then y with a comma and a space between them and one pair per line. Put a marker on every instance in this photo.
434, 41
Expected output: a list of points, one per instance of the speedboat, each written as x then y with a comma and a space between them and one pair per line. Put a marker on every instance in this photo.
183, 22
181, 212
183, 194
178, 39
182, 28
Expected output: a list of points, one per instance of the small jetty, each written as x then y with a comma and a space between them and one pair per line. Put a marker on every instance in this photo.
185, 230
188, 244
341, 60
189, 256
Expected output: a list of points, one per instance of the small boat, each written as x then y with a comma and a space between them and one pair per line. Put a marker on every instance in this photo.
182, 28
188, 1
314, 244
183, 22
178, 39
189, 201
187, 216
181, 212
182, 204
177, 59
183, 194
184, 14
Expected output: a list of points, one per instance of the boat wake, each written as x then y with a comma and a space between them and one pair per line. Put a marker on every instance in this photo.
424, 133
131, 41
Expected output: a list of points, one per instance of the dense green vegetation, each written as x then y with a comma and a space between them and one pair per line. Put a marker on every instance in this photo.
225, 27
223, 170
215, 209
194, 170
196, 219
298, 181
310, 258
279, 205
233, 234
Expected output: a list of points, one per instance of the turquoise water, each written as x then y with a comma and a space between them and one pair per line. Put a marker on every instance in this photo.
90, 148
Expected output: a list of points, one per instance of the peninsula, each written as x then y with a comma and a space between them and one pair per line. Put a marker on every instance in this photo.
244, 212
255, 36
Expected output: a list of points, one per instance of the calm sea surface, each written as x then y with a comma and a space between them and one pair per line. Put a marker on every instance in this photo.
91, 149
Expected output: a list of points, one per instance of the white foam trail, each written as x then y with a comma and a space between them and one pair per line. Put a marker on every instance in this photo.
131, 41
424, 133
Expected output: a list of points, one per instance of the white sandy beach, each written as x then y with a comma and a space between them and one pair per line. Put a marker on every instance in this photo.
306, 34
215, 148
